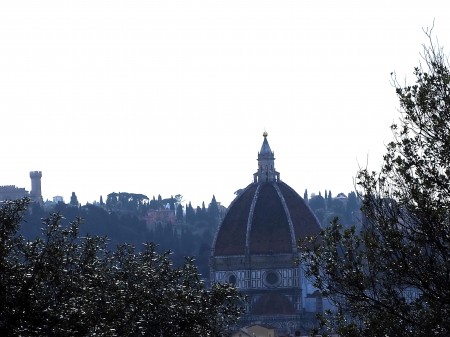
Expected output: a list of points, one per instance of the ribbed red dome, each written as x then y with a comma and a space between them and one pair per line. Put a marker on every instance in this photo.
266, 218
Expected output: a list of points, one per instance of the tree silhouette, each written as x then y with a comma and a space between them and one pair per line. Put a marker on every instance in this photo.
392, 277
65, 285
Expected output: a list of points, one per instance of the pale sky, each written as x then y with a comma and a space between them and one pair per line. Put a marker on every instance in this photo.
172, 97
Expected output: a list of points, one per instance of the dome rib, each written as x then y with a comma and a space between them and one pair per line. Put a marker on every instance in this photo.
250, 219
288, 215
304, 221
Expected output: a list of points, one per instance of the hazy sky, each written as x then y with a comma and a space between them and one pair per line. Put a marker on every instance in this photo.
172, 97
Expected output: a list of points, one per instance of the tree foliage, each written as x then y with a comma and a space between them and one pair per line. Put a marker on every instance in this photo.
392, 277
65, 285
125, 201
213, 212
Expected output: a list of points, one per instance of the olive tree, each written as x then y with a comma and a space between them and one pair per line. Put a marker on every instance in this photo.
391, 276
61, 284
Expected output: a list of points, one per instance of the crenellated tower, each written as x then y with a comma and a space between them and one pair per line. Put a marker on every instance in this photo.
36, 193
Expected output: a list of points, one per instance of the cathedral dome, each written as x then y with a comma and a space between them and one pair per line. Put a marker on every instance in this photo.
256, 245
267, 217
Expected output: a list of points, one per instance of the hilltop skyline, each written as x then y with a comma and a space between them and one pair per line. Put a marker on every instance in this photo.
173, 97
155, 196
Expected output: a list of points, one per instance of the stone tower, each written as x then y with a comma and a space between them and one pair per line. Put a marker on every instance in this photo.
36, 193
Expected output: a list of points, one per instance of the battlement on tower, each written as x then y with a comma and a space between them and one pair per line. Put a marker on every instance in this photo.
36, 174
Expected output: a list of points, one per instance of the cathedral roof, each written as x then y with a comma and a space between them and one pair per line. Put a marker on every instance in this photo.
267, 217
273, 304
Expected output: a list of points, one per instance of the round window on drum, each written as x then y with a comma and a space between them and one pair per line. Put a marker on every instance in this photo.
272, 278
232, 279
